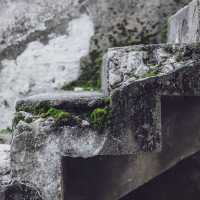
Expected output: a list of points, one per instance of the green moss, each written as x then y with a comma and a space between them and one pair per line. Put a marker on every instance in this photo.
56, 113
150, 73
90, 73
5, 131
153, 71
100, 117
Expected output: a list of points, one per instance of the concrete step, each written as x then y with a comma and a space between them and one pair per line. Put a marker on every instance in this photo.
154, 125
67, 101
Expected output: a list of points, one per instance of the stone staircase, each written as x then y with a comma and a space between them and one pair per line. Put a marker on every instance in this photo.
102, 146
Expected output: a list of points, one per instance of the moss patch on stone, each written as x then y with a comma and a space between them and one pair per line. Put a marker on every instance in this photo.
150, 73
100, 117
153, 71
62, 118
56, 114
90, 66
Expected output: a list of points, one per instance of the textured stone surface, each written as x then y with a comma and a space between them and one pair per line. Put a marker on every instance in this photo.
184, 25
44, 67
138, 101
77, 102
41, 45
47, 15
4, 164
154, 125
140, 62
19, 191
38, 148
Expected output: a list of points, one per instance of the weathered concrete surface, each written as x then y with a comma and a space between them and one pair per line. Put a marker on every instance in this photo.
41, 45
5, 169
154, 125
180, 182
140, 105
77, 102
184, 26
140, 62
19, 191
54, 139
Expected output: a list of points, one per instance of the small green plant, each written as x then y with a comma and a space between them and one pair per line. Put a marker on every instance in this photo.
151, 73
100, 117
56, 113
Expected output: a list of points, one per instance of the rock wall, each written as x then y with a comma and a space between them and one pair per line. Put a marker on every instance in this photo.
42, 41
184, 25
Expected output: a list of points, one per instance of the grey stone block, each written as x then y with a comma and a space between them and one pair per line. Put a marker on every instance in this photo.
184, 26
143, 61
154, 125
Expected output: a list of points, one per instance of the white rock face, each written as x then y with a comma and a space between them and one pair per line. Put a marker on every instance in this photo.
19, 18
44, 68
184, 25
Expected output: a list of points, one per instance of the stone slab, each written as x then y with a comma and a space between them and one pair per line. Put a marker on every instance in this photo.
142, 61
184, 26
69, 101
